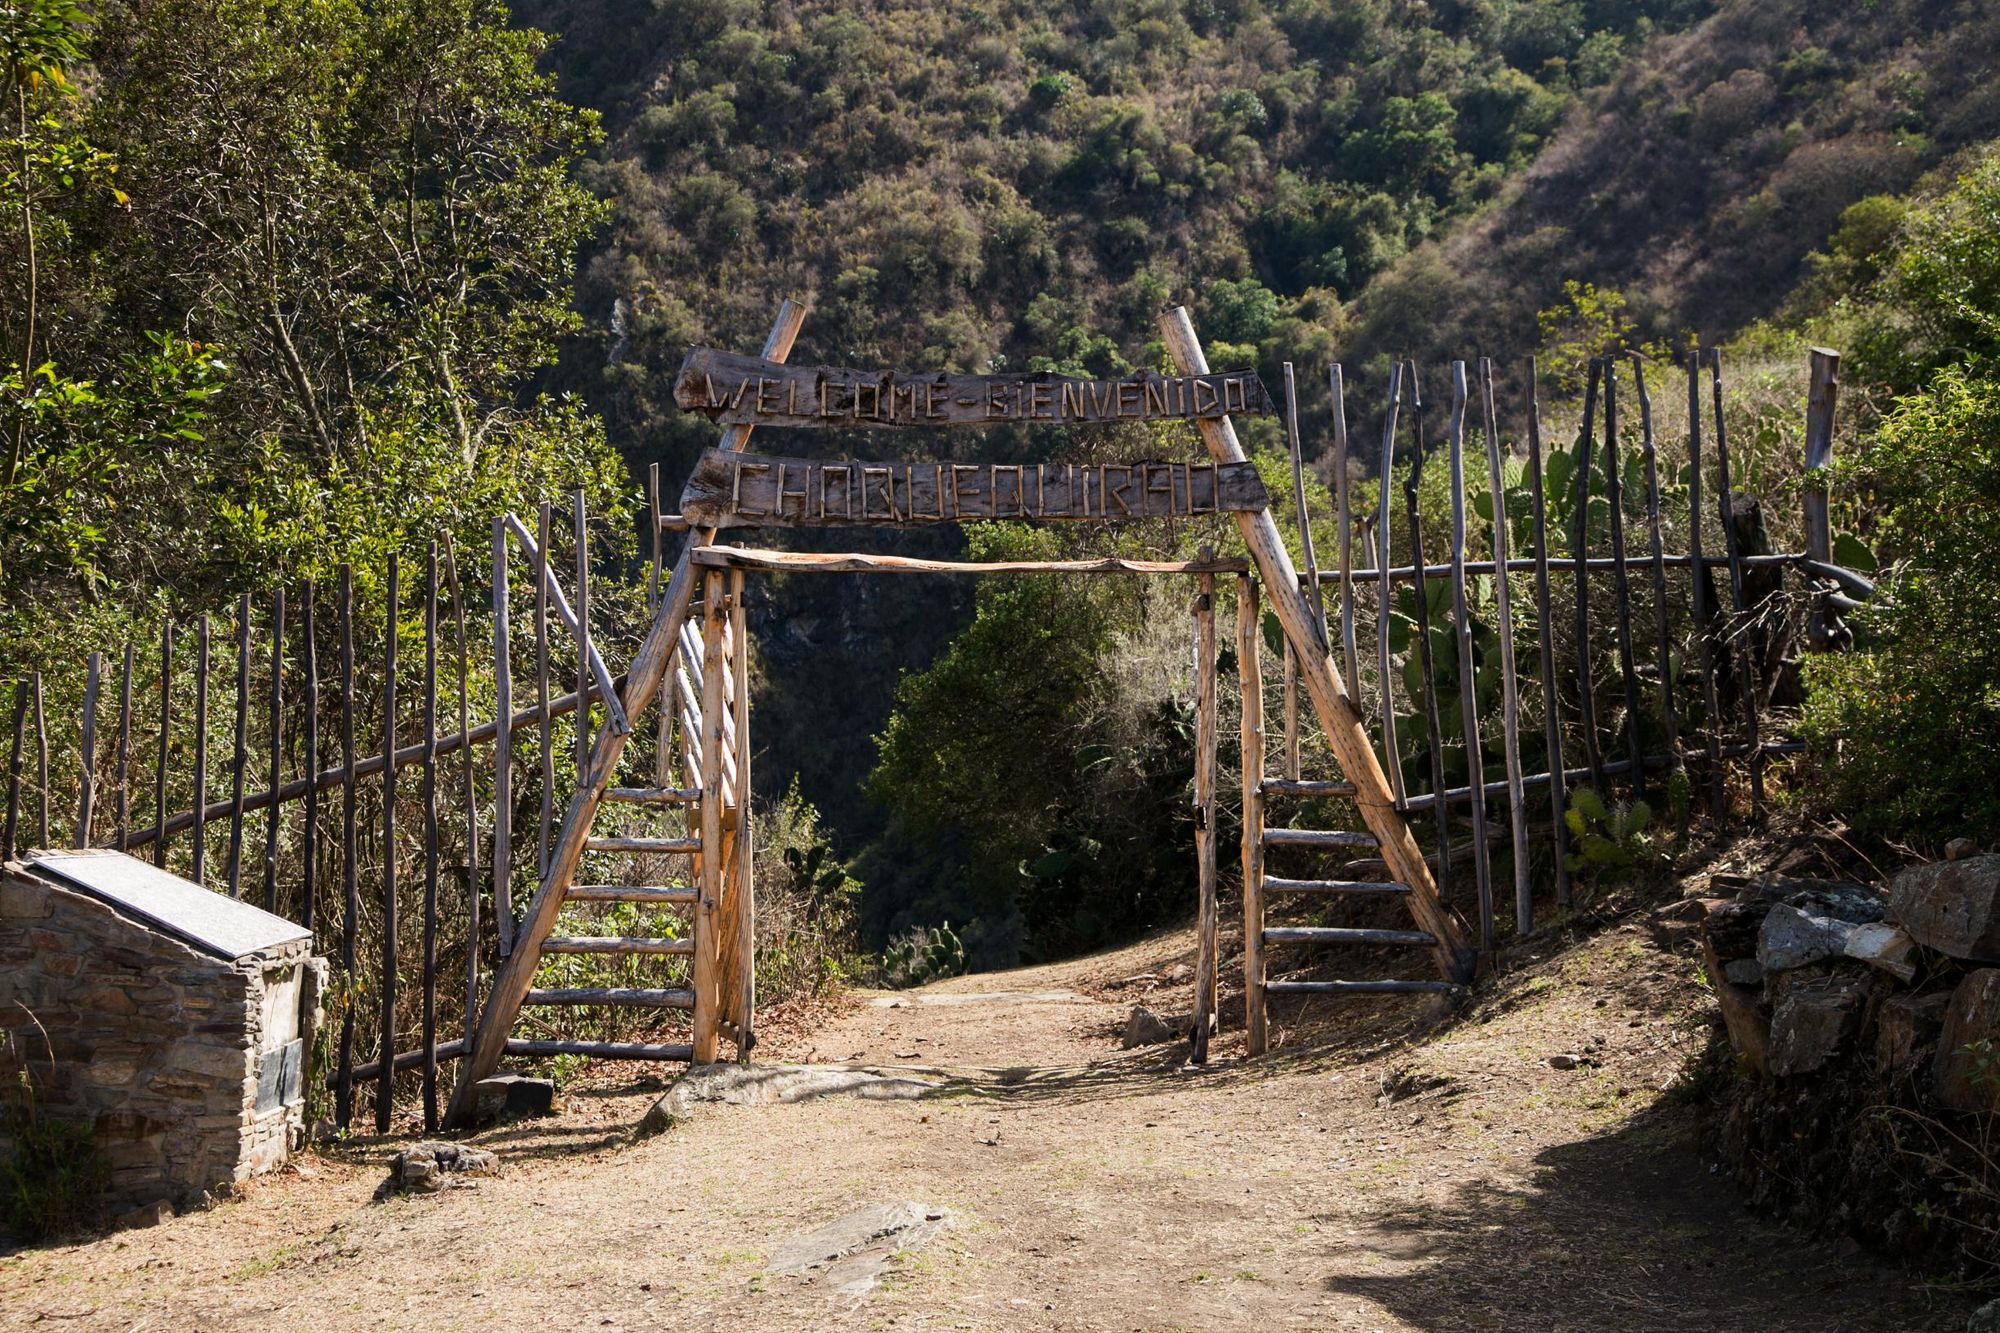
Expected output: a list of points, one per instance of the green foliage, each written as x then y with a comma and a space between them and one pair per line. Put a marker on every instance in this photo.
51, 1181
1907, 725
806, 903
922, 954
1606, 839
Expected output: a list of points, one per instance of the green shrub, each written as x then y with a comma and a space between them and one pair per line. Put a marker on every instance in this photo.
922, 954
1606, 838
1907, 726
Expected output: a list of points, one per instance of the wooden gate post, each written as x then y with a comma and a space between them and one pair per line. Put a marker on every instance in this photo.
744, 851
1204, 808
1344, 729
1249, 672
1820, 397
707, 917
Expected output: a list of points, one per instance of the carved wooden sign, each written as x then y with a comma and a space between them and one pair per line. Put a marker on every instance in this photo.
732, 490
743, 390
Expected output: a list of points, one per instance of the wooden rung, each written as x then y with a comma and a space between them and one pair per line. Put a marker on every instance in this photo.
1345, 935
671, 895
605, 1050
1295, 787
1316, 837
664, 846
1276, 884
653, 795
629, 944
614, 995
1360, 987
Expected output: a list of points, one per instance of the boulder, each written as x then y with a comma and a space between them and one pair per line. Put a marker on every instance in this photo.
1812, 1022
1905, 1026
1966, 1073
1743, 1011
429, 1166
514, 1095
1146, 1028
1731, 928
1986, 1319
1744, 971
1888, 947
1794, 937
1952, 906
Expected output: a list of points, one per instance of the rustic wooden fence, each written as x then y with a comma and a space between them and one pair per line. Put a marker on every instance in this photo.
282, 779
1640, 673
267, 755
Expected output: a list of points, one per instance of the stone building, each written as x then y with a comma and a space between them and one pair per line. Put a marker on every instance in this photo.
175, 1022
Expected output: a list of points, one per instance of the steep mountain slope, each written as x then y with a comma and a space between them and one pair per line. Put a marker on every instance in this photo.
1697, 183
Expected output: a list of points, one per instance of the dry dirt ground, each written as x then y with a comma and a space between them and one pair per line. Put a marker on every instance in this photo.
1393, 1165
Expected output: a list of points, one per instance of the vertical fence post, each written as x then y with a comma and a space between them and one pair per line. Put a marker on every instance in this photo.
1510, 689
41, 765
87, 802
273, 812
1551, 713
1250, 678
1621, 578
1392, 758
1656, 540
1586, 690
1204, 804
1468, 682
503, 749
242, 760
547, 742
385, 1073
350, 858
745, 849
165, 738
123, 809
1441, 808
199, 832
1344, 533
583, 676
707, 999
310, 851
467, 794
1311, 571
14, 769
1820, 396
430, 803
1700, 611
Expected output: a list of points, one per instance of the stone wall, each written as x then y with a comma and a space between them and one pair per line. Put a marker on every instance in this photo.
1865, 1023
151, 1042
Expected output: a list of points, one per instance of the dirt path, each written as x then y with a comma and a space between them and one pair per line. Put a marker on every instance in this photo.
1404, 1169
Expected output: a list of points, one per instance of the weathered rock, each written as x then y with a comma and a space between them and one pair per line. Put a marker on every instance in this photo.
1743, 1011
1564, 1061
1731, 927
1744, 971
1959, 848
430, 1166
1986, 1319
1793, 937
1952, 906
515, 1095
1888, 947
850, 1254
1812, 1022
1966, 1073
150, 1215
1146, 1028
772, 1085
1905, 1026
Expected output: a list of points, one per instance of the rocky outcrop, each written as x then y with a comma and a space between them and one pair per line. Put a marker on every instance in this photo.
1867, 1024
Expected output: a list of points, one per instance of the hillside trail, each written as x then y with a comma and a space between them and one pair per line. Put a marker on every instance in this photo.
1389, 1166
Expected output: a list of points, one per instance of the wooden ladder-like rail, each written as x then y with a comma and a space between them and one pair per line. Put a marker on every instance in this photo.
722, 991
1367, 785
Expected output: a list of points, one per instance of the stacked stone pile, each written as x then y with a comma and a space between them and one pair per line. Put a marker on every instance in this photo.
1866, 1023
